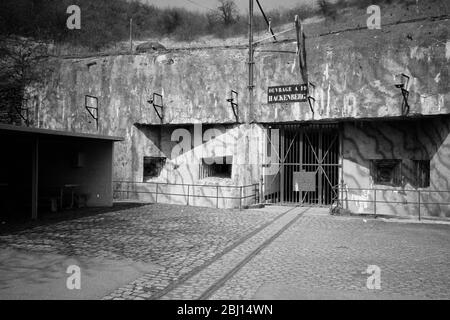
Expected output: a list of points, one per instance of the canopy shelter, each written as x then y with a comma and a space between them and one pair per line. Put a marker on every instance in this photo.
44, 169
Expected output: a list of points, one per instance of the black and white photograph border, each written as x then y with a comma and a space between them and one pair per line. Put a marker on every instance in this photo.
225, 150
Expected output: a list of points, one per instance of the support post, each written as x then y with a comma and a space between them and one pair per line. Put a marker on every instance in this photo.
156, 200
341, 160
188, 195
240, 199
131, 35
281, 158
217, 196
375, 202
261, 188
418, 202
35, 179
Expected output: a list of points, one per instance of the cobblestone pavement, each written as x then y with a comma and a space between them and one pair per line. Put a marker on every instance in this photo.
205, 253
192, 281
177, 239
322, 252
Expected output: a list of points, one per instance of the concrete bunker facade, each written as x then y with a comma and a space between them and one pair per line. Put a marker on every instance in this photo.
358, 145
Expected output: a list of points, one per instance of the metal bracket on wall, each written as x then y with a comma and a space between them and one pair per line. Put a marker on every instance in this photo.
311, 99
233, 100
90, 109
157, 102
403, 85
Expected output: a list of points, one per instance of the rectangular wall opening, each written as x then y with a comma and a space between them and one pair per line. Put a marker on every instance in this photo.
219, 167
309, 158
153, 167
422, 173
387, 172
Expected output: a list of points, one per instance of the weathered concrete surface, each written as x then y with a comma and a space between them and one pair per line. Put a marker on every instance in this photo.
354, 73
424, 139
240, 143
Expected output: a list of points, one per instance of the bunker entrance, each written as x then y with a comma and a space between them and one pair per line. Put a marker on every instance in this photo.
309, 162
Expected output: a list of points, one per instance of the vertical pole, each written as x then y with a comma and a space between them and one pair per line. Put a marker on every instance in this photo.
250, 60
156, 200
240, 198
34, 179
131, 35
418, 202
341, 160
263, 164
217, 196
188, 195
261, 190
299, 47
282, 156
319, 166
301, 160
375, 202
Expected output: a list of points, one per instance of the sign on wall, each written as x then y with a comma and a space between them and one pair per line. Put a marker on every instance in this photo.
289, 93
304, 181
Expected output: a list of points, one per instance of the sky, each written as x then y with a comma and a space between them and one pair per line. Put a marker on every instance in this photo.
203, 5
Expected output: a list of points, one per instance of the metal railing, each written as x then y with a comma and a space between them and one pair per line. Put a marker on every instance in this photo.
122, 188
410, 197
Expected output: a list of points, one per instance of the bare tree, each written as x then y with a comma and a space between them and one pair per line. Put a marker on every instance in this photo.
329, 10
228, 12
21, 68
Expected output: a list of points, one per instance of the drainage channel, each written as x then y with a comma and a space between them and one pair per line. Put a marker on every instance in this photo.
201, 284
227, 250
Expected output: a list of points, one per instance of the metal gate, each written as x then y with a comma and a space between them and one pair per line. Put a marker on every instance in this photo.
309, 163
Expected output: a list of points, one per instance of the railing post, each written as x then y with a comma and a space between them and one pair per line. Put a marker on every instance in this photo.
256, 199
240, 199
375, 202
261, 190
418, 202
156, 200
188, 195
217, 196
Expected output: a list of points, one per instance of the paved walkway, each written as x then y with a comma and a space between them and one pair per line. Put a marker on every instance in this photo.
177, 252
173, 240
39, 275
327, 257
